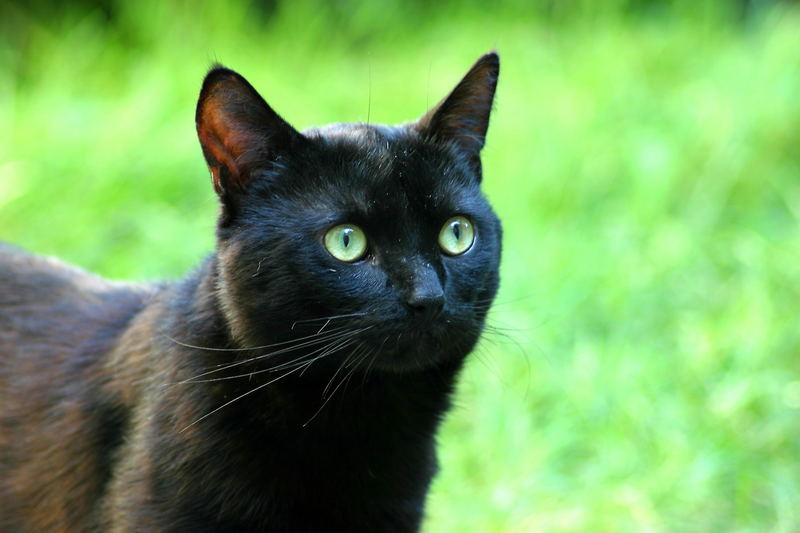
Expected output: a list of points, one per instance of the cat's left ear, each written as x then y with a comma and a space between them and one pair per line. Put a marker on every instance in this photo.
463, 117
240, 134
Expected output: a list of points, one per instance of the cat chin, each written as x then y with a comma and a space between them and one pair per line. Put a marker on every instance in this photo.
409, 363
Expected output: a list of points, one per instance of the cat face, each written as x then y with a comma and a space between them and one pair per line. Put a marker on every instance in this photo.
377, 236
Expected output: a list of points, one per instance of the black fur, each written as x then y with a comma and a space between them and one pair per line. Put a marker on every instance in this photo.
113, 413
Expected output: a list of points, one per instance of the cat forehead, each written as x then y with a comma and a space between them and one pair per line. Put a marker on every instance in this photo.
375, 142
373, 161
382, 151
354, 131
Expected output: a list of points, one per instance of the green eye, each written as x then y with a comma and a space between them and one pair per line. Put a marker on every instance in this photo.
457, 235
346, 242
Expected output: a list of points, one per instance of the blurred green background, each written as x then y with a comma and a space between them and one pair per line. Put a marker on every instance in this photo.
643, 371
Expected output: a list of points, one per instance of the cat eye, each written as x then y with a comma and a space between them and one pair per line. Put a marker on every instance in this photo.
346, 242
457, 235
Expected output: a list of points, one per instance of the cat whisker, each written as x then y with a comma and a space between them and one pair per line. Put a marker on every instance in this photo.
324, 338
328, 351
328, 318
357, 364
340, 346
507, 301
374, 356
258, 269
338, 334
251, 391
344, 363
283, 366
263, 347
320, 339
343, 380
259, 387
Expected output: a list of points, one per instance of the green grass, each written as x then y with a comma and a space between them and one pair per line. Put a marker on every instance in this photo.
646, 165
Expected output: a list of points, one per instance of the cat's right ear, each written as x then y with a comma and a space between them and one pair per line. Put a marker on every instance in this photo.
240, 134
462, 118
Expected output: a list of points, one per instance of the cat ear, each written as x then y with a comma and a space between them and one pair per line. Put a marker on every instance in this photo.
238, 131
463, 117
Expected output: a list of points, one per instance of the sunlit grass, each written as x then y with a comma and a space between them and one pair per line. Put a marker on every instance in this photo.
647, 171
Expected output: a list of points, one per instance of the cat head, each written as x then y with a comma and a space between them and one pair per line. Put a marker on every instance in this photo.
375, 238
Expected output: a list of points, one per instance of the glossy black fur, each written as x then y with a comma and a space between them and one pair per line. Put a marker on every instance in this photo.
141, 408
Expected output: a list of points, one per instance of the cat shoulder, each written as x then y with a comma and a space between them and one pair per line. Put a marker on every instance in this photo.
32, 279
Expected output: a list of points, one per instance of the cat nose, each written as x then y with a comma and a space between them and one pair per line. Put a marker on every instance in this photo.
426, 302
427, 296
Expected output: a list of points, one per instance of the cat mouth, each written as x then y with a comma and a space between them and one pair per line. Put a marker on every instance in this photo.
418, 345
399, 344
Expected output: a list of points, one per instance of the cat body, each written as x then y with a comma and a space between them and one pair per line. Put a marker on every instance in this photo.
296, 379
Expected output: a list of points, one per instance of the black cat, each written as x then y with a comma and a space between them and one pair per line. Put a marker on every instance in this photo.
295, 381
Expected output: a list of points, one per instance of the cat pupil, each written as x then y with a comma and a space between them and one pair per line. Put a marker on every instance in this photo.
346, 238
457, 231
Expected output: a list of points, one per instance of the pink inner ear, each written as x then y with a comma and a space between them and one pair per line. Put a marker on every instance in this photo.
223, 144
237, 129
